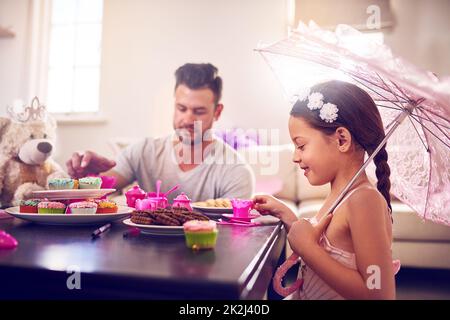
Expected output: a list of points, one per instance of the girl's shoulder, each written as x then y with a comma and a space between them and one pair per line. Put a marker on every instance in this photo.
363, 201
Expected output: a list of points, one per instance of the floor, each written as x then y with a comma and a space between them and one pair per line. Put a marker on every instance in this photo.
423, 284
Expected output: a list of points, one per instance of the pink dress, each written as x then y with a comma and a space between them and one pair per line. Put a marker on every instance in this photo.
314, 288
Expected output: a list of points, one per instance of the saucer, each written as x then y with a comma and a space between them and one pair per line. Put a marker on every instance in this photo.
249, 218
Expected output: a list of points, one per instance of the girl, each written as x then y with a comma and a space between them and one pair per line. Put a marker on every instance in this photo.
348, 253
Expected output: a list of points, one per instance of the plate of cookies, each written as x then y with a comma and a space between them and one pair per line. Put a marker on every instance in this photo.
163, 222
214, 207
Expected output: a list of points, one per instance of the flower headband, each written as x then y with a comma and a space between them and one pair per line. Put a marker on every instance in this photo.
328, 111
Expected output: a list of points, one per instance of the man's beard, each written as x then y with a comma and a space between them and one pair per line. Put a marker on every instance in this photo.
193, 135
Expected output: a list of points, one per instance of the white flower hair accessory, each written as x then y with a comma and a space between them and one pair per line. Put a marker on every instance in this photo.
315, 101
301, 95
329, 112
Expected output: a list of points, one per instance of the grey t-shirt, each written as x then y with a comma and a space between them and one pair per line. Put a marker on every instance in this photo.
222, 174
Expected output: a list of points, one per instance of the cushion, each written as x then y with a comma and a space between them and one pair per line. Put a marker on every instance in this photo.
409, 226
273, 168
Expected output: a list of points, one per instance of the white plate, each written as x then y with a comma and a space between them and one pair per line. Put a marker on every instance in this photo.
70, 194
213, 210
156, 230
70, 219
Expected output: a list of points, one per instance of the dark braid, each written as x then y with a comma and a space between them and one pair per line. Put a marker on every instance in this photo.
383, 171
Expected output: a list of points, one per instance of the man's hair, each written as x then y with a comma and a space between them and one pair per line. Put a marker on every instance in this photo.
200, 76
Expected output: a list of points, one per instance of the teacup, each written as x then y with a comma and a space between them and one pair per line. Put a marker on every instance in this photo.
241, 207
146, 204
162, 202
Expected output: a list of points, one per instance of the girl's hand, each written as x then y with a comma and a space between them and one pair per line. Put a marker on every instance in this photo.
269, 205
303, 236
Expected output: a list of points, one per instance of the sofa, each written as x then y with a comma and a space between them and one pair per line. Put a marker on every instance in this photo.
417, 243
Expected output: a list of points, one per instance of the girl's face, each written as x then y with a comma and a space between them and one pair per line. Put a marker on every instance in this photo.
316, 153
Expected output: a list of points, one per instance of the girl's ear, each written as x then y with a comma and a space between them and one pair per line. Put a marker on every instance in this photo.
343, 139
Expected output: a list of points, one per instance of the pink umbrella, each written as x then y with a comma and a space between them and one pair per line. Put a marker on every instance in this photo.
419, 147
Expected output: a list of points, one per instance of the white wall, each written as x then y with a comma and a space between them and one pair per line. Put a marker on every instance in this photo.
13, 58
144, 41
422, 33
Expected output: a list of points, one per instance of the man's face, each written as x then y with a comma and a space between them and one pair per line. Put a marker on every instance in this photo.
194, 106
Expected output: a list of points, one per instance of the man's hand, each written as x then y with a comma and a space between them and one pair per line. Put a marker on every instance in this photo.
81, 165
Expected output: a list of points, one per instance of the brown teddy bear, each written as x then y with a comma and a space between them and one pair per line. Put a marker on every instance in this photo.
26, 144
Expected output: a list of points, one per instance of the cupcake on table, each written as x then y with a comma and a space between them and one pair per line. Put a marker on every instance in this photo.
200, 234
52, 207
30, 205
83, 207
90, 183
106, 206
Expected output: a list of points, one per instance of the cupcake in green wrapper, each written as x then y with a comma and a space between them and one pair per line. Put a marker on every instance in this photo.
51, 207
90, 183
200, 234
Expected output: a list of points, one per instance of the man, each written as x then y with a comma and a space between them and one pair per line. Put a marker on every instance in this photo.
191, 157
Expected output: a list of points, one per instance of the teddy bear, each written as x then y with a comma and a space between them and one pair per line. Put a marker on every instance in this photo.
26, 146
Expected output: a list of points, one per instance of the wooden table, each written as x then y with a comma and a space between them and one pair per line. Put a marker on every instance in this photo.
142, 267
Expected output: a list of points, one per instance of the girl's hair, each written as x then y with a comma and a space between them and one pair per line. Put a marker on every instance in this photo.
359, 114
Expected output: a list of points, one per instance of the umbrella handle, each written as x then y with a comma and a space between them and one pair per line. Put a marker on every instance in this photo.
281, 272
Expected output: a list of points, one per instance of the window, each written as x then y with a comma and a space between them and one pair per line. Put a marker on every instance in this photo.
73, 77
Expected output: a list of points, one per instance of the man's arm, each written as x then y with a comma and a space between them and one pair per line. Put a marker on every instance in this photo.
81, 165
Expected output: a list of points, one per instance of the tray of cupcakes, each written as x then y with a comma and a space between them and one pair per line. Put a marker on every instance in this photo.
66, 189
83, 207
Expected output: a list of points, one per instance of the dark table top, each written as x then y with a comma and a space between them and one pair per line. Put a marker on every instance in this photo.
160, 267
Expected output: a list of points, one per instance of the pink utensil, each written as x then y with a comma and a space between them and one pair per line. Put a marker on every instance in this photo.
239, 223
171, 190
158, 188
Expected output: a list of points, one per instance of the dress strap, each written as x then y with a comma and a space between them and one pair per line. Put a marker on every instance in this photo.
350, 193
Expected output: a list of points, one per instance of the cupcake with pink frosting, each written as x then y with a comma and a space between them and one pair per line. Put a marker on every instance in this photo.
83, 207
51, 207
200, 234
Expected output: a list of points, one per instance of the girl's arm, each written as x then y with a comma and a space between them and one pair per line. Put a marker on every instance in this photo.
374, 277
266, 204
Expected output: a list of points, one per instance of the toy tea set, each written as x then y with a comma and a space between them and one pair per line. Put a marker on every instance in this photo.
153, 214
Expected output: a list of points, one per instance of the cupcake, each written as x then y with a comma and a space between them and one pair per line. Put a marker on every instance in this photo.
106, 206
29, 206
83, 207
90, 183
51, 207
60, 183
200, 234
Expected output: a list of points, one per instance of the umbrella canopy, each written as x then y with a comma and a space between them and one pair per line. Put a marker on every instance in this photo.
414, 105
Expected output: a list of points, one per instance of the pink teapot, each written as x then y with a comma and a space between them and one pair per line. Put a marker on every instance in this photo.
134, 194
182, 201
